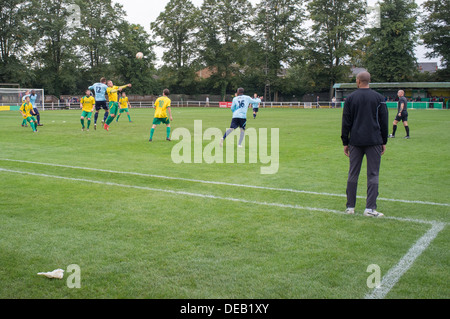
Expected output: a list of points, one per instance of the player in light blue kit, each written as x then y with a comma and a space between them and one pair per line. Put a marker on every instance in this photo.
239, 107
255, 106
100, 99
33, 97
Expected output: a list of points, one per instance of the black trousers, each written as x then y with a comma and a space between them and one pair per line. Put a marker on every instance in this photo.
373, 157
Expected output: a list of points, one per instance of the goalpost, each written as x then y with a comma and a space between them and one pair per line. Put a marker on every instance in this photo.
11, 98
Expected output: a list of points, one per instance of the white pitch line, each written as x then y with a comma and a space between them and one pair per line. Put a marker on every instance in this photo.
280, 205
396, 272
223, 183
388, 281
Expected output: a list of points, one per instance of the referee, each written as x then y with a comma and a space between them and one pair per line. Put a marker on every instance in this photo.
365, 121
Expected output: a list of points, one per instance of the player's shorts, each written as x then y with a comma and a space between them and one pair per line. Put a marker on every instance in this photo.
113, 108
161, 120
256, 109
86, 114
402, 118
100, 105
236, 122
31, 119
123, 110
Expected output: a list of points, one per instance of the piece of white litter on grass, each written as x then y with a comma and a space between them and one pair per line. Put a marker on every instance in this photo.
57, 273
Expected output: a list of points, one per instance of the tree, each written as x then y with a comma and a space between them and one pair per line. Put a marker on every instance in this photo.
278, 28
131, 39
389, 50
436, 29
14, 35
221, 39
336, 26
55, 59
94, 37
175, 27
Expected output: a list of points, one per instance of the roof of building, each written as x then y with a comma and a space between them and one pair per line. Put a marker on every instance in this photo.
398, 85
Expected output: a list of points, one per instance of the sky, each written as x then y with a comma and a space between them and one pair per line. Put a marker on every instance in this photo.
144, 12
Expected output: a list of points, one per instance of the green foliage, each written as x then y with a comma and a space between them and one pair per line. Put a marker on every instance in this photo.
221, 37
132, 39
175, 27
389, 51
336, 26
436, 29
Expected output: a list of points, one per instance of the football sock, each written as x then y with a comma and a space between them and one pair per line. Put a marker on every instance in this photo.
241, 138
228, 132
117, 119
168, 132
95, 118
24, 122
33, 126
82, 122
106, 116
394, 129
254, 115
129, 118
151, 132
39, 119
88, 124
407, 130
109, 120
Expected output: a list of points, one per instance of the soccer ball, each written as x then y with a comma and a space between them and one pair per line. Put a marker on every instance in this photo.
139, 55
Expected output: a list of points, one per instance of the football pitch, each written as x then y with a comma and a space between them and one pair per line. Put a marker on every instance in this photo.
139, 225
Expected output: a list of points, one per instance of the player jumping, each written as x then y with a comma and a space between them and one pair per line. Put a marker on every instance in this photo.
113, 102
100, 99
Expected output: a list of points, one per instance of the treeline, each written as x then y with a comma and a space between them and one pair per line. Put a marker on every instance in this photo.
279, 48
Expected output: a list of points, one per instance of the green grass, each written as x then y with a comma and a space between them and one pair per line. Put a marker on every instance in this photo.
139, 243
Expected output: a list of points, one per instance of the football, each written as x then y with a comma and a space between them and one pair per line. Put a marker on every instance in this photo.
139, 55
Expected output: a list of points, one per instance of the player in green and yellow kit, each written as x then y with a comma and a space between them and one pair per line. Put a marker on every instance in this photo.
161, 105
26, 110
124, 104
113, 101
87, 104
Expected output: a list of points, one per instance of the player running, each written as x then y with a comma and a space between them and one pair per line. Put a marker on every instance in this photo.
113, 102
162, 105
26, 109
124, 105
100, 99
255, 106
87, 104
239, 108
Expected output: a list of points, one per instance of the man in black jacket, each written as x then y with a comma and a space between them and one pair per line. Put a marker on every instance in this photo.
365, 129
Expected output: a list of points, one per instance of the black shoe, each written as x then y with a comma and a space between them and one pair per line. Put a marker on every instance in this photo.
407, 137
150, 140
95, 127
391, 136
168, 139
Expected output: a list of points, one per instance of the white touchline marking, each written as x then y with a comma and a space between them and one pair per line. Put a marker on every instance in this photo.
396, 272
224, 183
388, 281
281, 205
